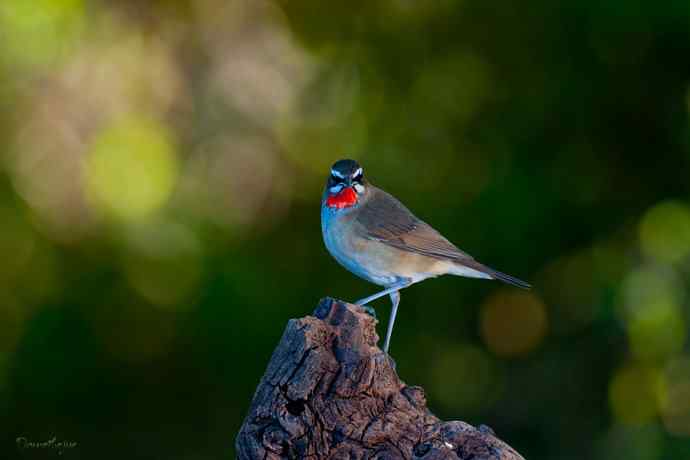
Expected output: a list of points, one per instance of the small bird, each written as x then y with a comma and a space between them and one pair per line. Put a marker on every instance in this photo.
377, 238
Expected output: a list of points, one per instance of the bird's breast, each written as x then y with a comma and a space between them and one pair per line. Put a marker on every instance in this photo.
351, 249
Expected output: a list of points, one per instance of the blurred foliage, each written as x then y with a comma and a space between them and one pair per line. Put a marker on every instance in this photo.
160, 180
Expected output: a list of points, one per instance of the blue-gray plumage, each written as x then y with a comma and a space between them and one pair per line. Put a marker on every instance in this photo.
377, 238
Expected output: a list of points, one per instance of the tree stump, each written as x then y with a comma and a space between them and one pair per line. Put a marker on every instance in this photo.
330, 393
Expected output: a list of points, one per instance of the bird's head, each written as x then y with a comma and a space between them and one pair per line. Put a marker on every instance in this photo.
345, 185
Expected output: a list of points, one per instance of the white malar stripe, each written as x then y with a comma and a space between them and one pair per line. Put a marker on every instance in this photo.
359, 188
337, 174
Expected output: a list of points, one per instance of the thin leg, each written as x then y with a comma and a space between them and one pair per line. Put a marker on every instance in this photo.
395, 301
378, 295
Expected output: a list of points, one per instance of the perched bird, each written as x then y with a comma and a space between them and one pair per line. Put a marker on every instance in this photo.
376, 237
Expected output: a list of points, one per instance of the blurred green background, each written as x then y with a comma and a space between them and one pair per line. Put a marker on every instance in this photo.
160, 175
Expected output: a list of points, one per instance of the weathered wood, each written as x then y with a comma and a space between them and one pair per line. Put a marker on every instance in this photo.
330, 392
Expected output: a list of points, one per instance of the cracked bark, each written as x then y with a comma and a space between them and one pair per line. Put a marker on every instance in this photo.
329, 392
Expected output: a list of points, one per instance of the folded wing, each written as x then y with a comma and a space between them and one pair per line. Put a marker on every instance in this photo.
387, 220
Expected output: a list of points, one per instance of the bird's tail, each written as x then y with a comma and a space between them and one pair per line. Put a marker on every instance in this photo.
495, 274
473, 269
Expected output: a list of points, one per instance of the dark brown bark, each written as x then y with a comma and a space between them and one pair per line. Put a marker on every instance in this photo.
330, 392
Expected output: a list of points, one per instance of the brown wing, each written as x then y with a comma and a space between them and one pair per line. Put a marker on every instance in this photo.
386, 219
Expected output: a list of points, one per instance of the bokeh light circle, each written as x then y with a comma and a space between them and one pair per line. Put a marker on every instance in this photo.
40, 31
131, 169
652, 312
635, 393
513, 323
665, 232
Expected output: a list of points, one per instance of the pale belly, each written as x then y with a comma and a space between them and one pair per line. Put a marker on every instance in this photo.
357, 255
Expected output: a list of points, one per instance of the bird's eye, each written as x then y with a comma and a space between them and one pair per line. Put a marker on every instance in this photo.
358, 176
336, 179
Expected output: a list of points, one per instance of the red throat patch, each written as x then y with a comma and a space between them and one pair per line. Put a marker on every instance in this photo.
343, 199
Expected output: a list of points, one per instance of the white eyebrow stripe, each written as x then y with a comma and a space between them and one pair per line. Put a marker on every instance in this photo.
337, 174
358, 172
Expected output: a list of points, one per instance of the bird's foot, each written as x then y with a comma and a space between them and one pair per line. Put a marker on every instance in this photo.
370, 310
391, 360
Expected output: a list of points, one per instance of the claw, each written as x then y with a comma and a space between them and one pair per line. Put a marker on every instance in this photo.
370, 310
392, 361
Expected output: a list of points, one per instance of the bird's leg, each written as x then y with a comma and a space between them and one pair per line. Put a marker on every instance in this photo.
395, 301
378, 295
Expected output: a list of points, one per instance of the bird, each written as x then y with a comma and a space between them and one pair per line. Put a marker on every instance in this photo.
374, 236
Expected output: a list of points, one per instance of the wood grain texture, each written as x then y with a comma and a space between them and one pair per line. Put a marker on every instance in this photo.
329, 392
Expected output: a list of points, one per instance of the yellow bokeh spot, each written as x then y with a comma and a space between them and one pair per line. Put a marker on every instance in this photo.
131, 169
635, 394
665, 232
652, 312
513, 323
39, 31
657, 331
